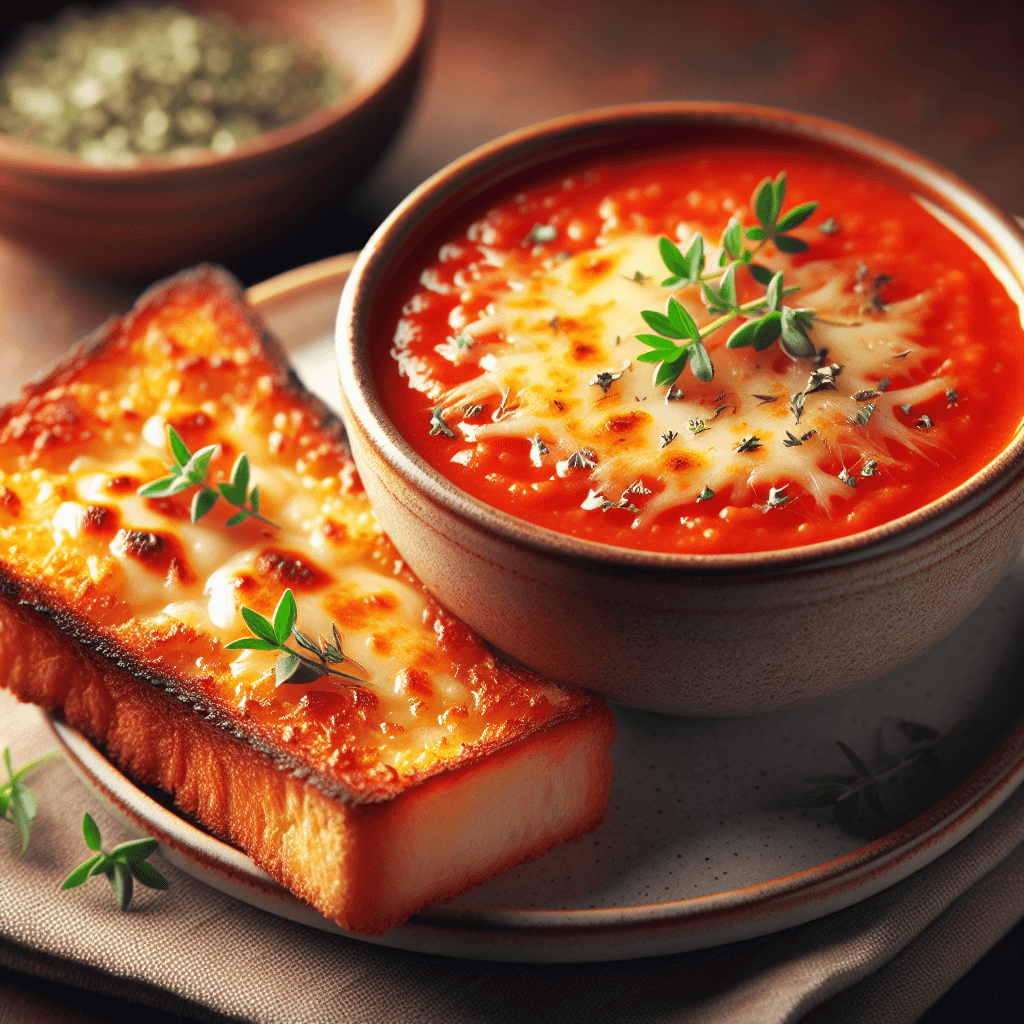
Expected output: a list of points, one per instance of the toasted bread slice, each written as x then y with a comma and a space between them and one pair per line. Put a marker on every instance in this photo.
436, 768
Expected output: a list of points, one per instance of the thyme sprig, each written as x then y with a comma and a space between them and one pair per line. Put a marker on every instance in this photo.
17, 801
293, 667
121, 865
679, 341
191, 469
844, 792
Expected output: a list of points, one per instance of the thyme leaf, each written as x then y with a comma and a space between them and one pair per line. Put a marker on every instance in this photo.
582, 458
823, 379
537, 449
606, 378
864, 414
749, 444
705, 495
637, 487
438, 425
777, 497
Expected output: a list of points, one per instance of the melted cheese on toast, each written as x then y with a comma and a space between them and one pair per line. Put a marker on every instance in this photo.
155, 597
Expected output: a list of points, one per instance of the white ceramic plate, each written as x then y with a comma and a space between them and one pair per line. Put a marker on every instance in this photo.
705, 840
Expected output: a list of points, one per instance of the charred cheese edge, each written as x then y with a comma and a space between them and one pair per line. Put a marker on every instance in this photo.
132, 592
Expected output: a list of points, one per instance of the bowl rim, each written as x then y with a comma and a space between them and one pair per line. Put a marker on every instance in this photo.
528, 151
412, 17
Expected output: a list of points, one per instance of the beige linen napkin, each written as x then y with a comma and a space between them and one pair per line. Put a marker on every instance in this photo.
198, 953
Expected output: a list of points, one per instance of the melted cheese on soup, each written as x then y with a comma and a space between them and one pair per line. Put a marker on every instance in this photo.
519, 345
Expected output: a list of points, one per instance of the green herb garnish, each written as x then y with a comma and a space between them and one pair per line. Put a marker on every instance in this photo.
864, 414
843, 792
679, 341
191, 470
17, 801
777, 497
120, 865
605, 378
582, 458
293, 667
438, 425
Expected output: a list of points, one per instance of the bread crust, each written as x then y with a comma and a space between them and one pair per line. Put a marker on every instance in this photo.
363, 829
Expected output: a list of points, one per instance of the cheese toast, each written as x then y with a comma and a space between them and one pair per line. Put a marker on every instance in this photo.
426, 767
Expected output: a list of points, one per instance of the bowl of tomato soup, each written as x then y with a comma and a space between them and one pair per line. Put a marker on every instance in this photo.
713, 409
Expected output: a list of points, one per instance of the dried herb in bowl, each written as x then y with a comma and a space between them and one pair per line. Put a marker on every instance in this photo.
118, 83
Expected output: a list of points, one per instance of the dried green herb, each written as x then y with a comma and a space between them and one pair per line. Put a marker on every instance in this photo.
582, 458
438, 425
606, 378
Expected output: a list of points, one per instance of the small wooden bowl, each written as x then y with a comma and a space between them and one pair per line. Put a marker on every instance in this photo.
695, 635
164, 213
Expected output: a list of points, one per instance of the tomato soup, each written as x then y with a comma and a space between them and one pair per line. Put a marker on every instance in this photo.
515, 365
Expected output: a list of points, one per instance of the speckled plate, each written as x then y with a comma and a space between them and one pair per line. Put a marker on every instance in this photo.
718, 829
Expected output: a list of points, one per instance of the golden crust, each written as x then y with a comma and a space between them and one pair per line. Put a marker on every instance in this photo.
336, 791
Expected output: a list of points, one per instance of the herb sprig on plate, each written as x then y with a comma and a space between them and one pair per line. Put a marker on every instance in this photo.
292, 666
191, 469
843, 792
679, 341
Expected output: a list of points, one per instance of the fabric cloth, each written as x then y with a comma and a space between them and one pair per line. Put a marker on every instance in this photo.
200, 954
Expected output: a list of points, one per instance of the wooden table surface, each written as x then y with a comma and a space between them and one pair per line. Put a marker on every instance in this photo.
940, 77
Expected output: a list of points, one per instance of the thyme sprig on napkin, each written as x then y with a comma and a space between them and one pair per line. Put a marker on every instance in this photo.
120, 866
679, 341
293, 667
191, 469
17, 801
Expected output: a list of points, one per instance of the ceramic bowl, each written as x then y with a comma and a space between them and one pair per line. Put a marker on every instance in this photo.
164, 213
693, 635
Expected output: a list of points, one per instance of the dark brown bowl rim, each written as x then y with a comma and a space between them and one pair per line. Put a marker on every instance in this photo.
29, 158
530, 149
